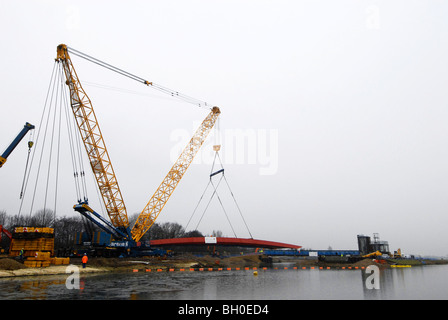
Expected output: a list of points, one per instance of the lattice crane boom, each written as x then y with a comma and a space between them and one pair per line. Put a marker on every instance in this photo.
94, 143
155, 205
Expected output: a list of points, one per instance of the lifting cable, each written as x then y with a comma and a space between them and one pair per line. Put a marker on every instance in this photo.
57, 96
212, 174
30, 145
25, 183
77, 158
56, 102
54, 94
172, 93
50, 87
75, 151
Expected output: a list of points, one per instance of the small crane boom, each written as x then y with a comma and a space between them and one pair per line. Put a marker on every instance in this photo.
15, 142
155, 205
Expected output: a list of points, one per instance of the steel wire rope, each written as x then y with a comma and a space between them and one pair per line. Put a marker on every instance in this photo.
79, 172
79, 160
219, 199
22, 189
222, 206
236, 203
82, 176
38, 136
216, 188
200, 199
50, 158
72, 148
197, 205
58, 151
163, 89
209, 201
79, 149
77, 163
123, 90
42, 149
217, 195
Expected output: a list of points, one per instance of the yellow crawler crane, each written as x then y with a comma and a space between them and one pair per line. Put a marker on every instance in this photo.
102, 166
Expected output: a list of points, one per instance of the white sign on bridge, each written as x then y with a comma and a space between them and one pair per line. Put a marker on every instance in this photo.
210, 239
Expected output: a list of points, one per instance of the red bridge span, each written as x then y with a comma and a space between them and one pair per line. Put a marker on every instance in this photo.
242, 242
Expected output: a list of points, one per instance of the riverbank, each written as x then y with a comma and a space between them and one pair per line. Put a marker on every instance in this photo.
12, 268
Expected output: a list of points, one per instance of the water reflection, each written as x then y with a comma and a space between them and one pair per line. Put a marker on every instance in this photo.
416, 283
427, 282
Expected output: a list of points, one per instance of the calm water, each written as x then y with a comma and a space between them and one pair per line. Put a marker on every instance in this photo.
428, 282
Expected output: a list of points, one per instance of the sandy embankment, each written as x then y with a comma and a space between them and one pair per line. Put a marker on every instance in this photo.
12, 268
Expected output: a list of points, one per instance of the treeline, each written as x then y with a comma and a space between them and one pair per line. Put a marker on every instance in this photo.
65, 228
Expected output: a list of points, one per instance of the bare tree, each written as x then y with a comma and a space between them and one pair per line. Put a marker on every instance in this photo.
166, 230
3, 217
217, 233
43, 218
65, 229
193, 234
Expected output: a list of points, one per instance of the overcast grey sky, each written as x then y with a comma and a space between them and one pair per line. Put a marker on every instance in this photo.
341, 105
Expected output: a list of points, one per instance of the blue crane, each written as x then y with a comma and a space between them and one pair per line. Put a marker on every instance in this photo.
15, 142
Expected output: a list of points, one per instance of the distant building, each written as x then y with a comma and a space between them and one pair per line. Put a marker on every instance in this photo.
366, 246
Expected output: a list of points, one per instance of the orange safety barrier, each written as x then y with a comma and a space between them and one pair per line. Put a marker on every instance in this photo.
245, 268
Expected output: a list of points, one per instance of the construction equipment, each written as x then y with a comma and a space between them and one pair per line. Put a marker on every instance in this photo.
397, 254
7, 233
35, 247
15, 142
100, 162
373, 254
